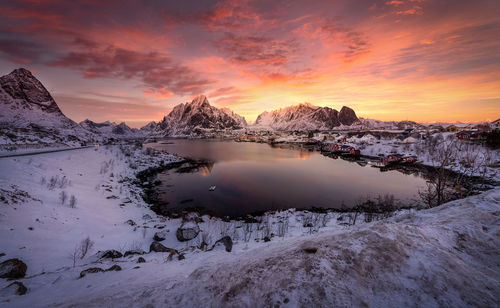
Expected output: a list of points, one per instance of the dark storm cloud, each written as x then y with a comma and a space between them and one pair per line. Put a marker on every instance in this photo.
155, 70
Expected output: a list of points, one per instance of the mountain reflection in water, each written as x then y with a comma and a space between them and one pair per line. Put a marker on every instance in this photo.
253, 177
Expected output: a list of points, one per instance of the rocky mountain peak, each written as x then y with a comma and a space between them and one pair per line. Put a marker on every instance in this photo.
347, 116
200, 100
20, 84
198, 116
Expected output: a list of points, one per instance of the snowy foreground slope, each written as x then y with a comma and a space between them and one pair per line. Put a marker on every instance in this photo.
446, 256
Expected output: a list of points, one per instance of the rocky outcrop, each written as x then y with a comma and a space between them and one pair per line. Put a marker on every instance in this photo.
347, 116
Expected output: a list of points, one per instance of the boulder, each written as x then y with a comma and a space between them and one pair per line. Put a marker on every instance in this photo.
134, 252
111, 254
91, 270
130, 222
311, 250
147, 217
226, 242
16, 288
115, 268
13, 269
141, 260
160, 235
187, 231
158, 247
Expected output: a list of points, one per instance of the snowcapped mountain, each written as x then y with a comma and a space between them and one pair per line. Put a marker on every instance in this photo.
306, 117
196, 118
495, 124
111, 129
29, 114
148, 128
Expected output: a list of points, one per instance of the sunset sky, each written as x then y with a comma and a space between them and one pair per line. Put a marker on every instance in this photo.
132, 61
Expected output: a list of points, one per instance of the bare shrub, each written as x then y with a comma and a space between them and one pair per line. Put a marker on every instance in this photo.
72, 202
265, 227
63, 197
85, 246
248, 229
325, 219
63, 182
81, 250
52, 182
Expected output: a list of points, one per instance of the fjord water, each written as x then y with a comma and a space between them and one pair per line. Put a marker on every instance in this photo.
253, 177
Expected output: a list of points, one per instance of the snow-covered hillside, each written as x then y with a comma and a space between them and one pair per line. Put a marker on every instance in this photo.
197, 117
29, 114
304, 117
445, 256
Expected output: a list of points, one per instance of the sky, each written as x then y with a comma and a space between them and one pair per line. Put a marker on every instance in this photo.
132, 61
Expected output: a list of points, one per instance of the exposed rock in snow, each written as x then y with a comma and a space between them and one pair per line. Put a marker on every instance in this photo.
17, 288
160, 235
111, 254
12, 269
225, 242
306, 117
195, 118
159, 247
187, 231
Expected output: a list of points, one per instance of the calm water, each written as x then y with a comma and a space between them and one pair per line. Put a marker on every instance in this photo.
252, 177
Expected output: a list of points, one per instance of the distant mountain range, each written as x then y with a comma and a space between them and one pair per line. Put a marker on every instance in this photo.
29, 115
111, 129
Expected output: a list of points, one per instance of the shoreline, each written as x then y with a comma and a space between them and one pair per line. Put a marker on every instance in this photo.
147, 182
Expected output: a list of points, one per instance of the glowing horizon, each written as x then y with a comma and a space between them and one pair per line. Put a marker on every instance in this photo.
419, 60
